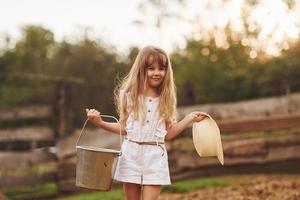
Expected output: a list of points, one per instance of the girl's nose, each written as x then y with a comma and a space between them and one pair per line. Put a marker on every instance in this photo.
156, 72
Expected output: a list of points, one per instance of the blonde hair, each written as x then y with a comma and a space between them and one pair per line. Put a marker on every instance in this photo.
135, 83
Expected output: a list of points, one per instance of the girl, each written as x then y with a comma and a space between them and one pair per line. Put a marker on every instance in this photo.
146, 101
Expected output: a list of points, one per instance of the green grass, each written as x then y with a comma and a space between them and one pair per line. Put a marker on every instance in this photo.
180, 187
189, 185
46, 189
111, 195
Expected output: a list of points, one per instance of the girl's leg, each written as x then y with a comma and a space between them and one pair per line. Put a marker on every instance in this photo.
132, 191
151, 192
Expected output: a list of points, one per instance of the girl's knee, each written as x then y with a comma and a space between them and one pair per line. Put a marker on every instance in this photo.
132, 191
151, 192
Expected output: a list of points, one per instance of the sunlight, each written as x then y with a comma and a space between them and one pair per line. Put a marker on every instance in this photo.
275, 22
233, 10
277, 25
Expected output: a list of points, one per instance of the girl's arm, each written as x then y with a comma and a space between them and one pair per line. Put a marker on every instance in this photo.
112, 127
176, 128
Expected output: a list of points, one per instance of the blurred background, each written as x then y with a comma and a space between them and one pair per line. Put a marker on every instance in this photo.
238, 60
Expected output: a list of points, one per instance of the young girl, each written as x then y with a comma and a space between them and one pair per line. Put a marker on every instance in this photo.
146, 101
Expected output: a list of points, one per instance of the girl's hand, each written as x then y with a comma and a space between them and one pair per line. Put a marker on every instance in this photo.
196, 116
94, 116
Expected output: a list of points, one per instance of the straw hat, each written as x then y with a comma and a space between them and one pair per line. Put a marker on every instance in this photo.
207, 139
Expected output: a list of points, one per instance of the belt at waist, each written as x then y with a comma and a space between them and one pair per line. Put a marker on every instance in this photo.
154, 143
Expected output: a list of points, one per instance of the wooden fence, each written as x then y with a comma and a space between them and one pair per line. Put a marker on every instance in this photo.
22, 167
57, 163
28, 138
259, 154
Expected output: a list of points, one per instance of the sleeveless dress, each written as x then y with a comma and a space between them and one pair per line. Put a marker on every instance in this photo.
144, 164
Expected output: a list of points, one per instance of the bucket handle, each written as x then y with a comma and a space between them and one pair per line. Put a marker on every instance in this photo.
108, 116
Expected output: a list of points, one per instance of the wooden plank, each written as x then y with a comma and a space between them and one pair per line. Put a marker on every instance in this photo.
23, 159
261, 107
66, 172
17, 113
256, 151
34, 133
260, 124
17, 181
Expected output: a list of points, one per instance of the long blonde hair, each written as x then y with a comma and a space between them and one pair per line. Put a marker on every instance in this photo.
135, 84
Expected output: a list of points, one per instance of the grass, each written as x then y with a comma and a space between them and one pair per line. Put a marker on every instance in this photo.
27, 192
180, 187
111, 195
39, 192
189, 185
46, 189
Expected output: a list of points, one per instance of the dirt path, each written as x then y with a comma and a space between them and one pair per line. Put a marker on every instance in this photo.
257, 188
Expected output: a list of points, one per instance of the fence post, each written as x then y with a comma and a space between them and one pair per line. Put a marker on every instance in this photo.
60, 105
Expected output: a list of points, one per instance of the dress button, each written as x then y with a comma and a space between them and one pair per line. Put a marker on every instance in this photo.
149, 111
150, 100
147, 121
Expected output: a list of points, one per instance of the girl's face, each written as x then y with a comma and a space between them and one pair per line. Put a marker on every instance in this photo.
155, 75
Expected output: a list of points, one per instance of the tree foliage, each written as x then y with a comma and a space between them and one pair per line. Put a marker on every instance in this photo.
204, 72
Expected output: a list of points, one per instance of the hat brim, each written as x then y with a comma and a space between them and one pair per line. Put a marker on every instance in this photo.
207, 138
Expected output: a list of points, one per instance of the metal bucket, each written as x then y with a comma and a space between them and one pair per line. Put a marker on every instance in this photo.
95, 166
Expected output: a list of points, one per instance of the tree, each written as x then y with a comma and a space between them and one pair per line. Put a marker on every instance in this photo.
31, 54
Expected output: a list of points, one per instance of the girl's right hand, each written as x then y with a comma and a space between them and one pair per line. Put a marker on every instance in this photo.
94, 116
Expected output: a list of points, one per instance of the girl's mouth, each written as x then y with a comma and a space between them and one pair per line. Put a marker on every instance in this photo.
156, 79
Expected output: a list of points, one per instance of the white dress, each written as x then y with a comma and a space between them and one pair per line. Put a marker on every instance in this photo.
144, 164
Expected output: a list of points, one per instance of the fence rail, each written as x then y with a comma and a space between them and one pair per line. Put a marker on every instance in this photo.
26, 112
260, 123
25, 159
34, 133
33, 180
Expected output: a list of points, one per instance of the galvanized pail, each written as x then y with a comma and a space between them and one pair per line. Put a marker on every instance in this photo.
95, 166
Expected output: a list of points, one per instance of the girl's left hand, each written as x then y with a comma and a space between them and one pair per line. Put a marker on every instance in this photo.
197, 116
